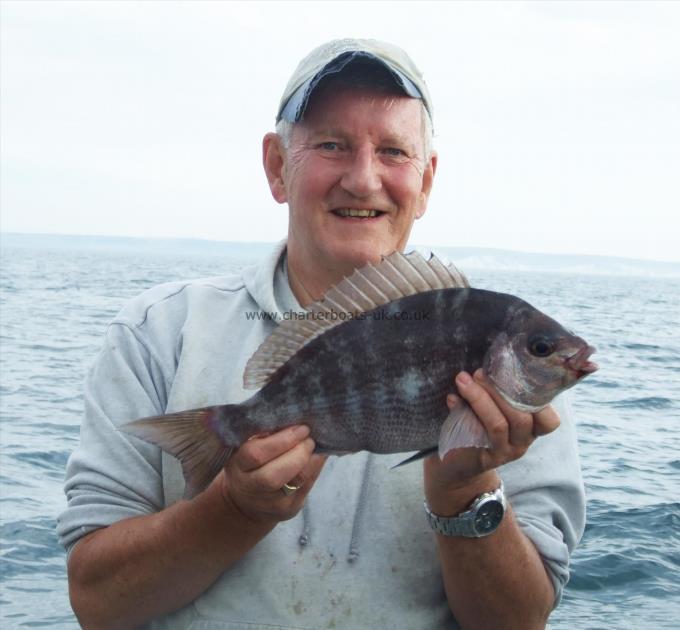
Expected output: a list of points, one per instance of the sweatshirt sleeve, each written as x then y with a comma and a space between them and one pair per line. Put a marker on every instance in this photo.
110, 476
546, 491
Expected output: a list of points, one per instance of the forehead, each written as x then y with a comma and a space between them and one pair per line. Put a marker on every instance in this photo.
348, 107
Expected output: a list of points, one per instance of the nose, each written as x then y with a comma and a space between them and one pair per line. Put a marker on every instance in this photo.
362, 174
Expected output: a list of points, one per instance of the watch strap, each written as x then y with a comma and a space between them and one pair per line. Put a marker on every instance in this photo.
461, 525
464, 523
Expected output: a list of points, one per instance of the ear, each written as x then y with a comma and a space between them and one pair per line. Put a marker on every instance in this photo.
273, 159
428, 179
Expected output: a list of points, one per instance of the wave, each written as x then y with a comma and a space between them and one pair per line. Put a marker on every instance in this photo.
646, 402
630, 546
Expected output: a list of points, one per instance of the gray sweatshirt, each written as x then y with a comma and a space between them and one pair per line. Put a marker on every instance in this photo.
361, 553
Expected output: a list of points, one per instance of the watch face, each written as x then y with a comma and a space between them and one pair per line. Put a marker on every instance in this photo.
488, 517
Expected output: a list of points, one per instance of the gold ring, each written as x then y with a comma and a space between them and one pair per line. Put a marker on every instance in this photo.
289, 488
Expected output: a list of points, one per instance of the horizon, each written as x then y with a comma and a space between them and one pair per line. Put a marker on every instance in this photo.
144, 240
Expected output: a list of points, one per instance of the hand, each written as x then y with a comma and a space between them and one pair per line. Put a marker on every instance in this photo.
510, 431
255, 474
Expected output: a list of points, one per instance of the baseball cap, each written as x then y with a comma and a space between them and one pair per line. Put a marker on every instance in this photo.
333, 57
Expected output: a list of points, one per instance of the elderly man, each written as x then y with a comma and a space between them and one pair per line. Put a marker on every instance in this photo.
283, 537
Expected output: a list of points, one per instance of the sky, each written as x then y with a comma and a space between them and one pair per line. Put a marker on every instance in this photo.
557, 124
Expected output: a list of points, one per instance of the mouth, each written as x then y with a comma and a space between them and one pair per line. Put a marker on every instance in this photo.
356, 213
580, 362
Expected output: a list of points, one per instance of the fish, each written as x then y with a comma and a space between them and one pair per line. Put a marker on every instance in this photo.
370, 365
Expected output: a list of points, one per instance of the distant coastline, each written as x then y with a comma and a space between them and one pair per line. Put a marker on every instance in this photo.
465, 257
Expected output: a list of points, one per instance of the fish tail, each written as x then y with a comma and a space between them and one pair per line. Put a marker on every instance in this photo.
201, 439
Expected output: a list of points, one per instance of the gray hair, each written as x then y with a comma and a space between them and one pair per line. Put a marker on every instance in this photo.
284, 129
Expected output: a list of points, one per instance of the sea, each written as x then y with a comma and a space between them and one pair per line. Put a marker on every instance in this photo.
56, 297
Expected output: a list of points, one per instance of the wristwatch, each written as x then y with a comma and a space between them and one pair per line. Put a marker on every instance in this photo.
481, 519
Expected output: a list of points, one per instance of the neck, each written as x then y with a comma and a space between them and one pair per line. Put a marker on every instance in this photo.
309, 283
300, 291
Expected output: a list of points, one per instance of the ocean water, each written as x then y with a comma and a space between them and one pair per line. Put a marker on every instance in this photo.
55, 304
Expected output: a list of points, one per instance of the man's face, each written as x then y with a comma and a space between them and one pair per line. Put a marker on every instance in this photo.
356, 152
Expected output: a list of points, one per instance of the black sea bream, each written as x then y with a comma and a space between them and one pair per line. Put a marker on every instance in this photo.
369, 367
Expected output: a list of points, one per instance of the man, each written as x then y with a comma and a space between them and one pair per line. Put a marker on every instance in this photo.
283, 537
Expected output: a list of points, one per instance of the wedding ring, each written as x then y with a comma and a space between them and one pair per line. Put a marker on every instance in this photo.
289, 488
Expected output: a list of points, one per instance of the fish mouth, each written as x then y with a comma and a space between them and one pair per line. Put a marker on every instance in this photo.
358, 213
580, 362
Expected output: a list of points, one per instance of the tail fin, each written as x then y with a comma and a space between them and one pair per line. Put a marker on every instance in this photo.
193, 438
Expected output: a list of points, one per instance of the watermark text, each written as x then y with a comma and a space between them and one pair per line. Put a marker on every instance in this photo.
339, 316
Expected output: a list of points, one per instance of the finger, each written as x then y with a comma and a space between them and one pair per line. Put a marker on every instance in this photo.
259, 436
452, 401
309, 474
506, 408
304, 481
485, 409
306, 478
524, 427
283, 469
546, 421
257, 452
521, 429
520, 423
258, 492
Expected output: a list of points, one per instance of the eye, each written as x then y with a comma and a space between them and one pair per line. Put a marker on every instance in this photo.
393, 151
329, 146
541, 347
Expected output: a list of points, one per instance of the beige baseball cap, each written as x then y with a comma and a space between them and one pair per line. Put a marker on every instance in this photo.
337, 56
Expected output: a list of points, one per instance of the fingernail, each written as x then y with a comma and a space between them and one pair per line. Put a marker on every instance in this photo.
464, 378
300, 431
479, 374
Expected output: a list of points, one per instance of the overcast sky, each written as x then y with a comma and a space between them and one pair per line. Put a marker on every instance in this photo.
557, 124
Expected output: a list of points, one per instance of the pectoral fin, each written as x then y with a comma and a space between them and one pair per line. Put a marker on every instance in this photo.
462, 429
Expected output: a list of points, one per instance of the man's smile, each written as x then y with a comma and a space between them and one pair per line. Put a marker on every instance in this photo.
357, 213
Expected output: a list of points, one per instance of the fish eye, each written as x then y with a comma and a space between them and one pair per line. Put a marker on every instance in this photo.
541, 347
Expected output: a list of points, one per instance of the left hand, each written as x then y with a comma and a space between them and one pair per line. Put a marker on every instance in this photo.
510, 431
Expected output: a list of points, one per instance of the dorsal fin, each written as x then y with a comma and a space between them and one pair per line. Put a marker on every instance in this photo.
396, 276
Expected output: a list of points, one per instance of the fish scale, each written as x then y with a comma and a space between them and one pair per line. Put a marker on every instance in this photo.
378, 379
407, 423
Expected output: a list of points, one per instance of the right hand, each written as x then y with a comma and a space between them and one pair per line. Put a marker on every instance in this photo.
254, 475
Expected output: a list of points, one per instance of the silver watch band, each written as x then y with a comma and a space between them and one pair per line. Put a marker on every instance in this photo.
464, 523
450, 525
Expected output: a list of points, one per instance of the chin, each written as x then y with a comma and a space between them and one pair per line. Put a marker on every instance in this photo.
355, 254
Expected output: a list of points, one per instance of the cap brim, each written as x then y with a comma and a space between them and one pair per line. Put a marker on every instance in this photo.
295, 106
